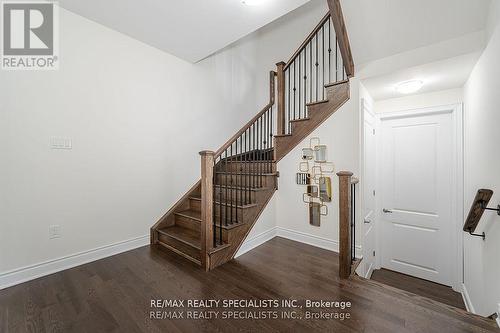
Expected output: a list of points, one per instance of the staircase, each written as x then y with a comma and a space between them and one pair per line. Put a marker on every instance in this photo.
211, 221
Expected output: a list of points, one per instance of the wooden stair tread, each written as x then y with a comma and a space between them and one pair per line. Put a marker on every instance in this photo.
243, 188
247, 173
318, 102
184, 235
336, 83
190, 214
281, 135
256, 161
299, 120
227, 204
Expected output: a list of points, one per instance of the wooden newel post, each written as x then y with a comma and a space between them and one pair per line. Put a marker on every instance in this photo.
207, 193
344, 224
281, 97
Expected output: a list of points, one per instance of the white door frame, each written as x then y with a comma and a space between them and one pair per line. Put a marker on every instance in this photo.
367, 110
456, 110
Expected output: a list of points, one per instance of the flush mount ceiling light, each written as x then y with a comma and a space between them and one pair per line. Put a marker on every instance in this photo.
409, 87
253, 2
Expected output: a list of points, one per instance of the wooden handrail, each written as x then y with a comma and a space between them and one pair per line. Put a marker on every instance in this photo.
308, 39
342, 36
221, 150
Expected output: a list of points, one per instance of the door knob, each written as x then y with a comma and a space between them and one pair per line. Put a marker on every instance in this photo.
368, 221
385, 210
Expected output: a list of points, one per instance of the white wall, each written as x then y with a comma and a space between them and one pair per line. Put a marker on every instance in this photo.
130, 112
341, 135
482, 165
138, 118
419, 101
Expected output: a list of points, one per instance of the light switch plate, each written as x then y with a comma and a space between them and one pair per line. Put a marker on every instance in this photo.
57, 142
54, 231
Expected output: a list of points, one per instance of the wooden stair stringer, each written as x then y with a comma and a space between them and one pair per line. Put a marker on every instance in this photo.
237, 235
168, 219
337, 94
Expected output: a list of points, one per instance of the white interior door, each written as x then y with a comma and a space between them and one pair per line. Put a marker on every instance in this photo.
368, 183
417, 180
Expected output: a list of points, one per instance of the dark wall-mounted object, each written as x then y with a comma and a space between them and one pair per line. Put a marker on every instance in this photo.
315, 214
313, 191
303, 178
479, 205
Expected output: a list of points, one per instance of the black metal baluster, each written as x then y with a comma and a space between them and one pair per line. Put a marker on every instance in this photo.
329, 52
260, 154
323, 59
272, 139
225, 183
317, 69
294, 92
214, 208
310, 71
220, 206
233, 178
354, 221
350, 221
214, 219
269, 140
241, 167
254, 156
305, 82
289, 100
298, 79
336, 59
238, 164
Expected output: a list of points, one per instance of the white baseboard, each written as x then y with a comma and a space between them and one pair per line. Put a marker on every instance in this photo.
468, 303
11, 278
317, 241
32, 272
313, 240
255, 241
369, 272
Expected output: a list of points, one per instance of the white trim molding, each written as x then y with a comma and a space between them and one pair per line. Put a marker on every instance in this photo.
257, 240
301, 237
468, 303
28, 273
25, 274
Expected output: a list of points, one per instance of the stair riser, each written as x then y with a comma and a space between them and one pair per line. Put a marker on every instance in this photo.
182, 247
224, 234
195, 204
246, 167
234, 195
253, 181
187, 223
227, 211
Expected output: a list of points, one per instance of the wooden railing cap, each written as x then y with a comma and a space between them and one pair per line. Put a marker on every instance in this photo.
344, 174
206, 152
281, 63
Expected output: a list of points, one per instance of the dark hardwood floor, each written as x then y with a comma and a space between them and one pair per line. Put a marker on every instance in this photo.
114, 295
424, 288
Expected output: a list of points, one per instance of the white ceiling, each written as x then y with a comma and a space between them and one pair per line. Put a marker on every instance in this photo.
436, 41
381, 28
441, 75
188, 29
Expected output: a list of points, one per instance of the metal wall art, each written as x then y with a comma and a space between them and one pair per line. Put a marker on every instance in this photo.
313, 173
